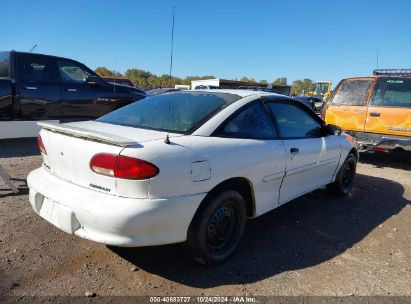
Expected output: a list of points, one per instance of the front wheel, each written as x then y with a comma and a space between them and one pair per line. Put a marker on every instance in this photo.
217, 228
344, 180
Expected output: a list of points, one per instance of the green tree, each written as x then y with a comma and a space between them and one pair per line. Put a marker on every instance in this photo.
153, 82
299, 87
246, 79
138, 77
188, 79
104, 72
264, 81
280, 81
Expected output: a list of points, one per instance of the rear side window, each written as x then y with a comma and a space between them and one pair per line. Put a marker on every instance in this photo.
352, 92
294, 122
180, 112
251, 122
4, 65
36, 69
392, 92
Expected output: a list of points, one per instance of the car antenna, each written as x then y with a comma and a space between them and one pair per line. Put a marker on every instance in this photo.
167, 140
32, 49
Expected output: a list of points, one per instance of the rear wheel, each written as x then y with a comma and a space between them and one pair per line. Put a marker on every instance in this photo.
345, 177
217, 228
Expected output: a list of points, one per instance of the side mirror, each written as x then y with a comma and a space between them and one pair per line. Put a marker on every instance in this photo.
93, 81
333, 130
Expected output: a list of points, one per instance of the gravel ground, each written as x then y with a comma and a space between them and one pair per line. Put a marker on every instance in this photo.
315, 245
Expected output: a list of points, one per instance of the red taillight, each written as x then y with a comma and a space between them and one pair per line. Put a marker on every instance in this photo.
122, 166
41, 146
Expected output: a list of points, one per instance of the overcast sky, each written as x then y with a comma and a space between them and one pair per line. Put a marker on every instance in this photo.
321, 40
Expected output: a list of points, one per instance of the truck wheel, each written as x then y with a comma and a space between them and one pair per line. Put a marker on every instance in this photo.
345, 177
217, 228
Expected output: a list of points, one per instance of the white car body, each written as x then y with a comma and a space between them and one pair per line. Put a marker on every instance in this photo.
159, 210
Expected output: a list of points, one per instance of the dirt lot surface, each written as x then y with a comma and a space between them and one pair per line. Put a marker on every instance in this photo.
316, 245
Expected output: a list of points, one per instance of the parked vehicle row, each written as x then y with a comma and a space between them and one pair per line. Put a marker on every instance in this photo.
39, 87
188, 166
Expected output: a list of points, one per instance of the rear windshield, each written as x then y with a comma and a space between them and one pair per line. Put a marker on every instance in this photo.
4, 65
392, 92
178, 112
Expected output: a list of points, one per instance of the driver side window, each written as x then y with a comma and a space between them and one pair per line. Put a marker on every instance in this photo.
294, 122
71, 72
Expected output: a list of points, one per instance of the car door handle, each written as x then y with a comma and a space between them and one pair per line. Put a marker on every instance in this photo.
375, 114
31, 88
294, 150
71, 90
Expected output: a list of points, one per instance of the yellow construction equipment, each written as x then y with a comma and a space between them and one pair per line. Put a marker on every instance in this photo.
321, 89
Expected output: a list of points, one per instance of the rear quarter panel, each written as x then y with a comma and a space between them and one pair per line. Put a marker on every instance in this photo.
227, 158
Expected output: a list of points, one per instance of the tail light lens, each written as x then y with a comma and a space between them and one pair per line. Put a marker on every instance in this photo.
41, 146
122, 166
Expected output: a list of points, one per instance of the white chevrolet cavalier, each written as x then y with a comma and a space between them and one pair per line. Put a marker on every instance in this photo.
186, 167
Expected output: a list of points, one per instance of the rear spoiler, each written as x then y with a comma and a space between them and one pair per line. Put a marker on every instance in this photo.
87, 134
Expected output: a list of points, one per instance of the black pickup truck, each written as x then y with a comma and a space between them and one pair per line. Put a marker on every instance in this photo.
39, 87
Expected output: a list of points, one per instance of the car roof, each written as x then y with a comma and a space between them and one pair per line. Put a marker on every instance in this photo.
242, 93
43, 55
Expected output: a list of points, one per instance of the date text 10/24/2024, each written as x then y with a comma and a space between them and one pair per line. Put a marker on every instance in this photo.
203, 299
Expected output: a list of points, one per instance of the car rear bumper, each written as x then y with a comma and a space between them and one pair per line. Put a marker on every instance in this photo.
110, 219
369, 141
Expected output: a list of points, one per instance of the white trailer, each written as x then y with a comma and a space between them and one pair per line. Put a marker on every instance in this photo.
204, 84
19, 129
200, 84
182, 87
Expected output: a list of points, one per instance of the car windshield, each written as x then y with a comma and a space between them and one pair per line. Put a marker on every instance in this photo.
178, 112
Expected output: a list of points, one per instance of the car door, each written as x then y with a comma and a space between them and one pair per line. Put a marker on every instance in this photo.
250, 141
82, 99
311, 157
390, 107
348, 106
39, 90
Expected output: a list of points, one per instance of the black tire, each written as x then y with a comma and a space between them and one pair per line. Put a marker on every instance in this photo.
344, 180
217, 228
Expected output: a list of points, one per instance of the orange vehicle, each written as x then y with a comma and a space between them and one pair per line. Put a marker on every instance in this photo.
376, 109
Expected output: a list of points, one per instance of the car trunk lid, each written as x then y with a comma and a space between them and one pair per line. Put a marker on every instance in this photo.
70, 147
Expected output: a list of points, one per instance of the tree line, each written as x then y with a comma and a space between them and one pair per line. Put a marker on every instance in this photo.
146, 80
